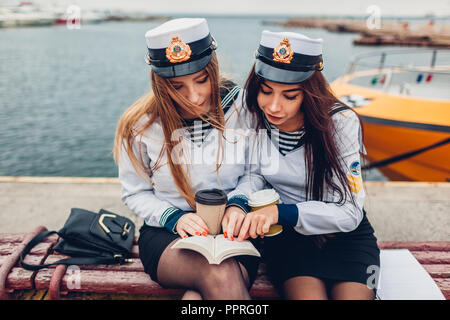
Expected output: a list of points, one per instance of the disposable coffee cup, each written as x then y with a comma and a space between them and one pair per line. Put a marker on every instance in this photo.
265, 198
210, 206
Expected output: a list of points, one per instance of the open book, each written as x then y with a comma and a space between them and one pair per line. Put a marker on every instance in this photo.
217, 248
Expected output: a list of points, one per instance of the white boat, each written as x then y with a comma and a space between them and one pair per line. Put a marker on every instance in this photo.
21, 18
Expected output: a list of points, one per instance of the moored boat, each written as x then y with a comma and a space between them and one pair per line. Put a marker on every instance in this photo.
404, 105
11, 18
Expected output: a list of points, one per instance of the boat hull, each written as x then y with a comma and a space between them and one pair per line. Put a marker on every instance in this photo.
384, 140
395, 125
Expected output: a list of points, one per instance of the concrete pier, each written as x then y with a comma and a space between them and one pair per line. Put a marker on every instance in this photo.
398, 211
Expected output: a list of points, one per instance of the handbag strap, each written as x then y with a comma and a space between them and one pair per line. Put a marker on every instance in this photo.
68, 261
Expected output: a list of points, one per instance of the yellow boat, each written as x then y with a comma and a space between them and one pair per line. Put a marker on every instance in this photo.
405, 111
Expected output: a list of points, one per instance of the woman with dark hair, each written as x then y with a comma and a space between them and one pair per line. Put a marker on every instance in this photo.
311, 157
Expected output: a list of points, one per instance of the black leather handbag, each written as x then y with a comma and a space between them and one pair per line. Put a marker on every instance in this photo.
89, 238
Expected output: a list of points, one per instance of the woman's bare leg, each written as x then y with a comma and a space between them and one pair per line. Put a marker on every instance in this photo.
188, 269
351, 291
305, 288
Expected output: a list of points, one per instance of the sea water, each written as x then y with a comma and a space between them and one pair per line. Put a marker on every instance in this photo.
62, 90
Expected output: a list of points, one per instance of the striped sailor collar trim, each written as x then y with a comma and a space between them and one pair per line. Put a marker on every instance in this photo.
280, 137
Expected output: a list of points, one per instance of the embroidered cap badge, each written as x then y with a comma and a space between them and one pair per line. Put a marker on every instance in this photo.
283, 53
178, 51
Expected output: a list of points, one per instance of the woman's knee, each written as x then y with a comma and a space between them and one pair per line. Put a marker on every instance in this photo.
223, 281
225, 273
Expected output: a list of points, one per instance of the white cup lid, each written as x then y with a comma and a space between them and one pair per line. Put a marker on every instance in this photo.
263, 197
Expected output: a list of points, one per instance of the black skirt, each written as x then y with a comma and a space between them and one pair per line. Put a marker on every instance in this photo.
346, 256
153, 241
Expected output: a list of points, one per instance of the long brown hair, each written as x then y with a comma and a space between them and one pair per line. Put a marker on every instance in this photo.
159, 104
323, 161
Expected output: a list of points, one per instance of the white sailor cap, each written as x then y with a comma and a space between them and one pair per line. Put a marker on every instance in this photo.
179, 47
288, 57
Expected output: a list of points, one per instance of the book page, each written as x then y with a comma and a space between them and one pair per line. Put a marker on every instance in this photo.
201, 244
226, 248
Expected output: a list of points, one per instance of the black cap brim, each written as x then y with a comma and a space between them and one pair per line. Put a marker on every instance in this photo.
272, 73
178, 70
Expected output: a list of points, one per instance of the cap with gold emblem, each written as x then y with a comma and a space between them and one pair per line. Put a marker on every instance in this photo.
288, 57
179, 47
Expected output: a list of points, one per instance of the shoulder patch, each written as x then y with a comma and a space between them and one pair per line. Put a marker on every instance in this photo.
355, 183
354, 177
355, 168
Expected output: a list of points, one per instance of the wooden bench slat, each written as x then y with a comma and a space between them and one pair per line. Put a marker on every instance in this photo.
416, 245
33, 259
19, 237
136, 265
444, 285
12, 237
140, 283
432, 257
119, 281
437, 270
42, 278
19, 279
111, 282
8, 248
39, 249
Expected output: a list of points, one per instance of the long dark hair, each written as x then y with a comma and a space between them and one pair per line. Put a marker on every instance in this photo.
323, 161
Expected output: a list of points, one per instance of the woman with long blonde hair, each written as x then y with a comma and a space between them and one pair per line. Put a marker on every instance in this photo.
176, 140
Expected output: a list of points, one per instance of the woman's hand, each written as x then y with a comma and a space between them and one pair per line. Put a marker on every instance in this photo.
232, 222
258, 222
191, 224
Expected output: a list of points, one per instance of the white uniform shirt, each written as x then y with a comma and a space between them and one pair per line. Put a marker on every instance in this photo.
287, 175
